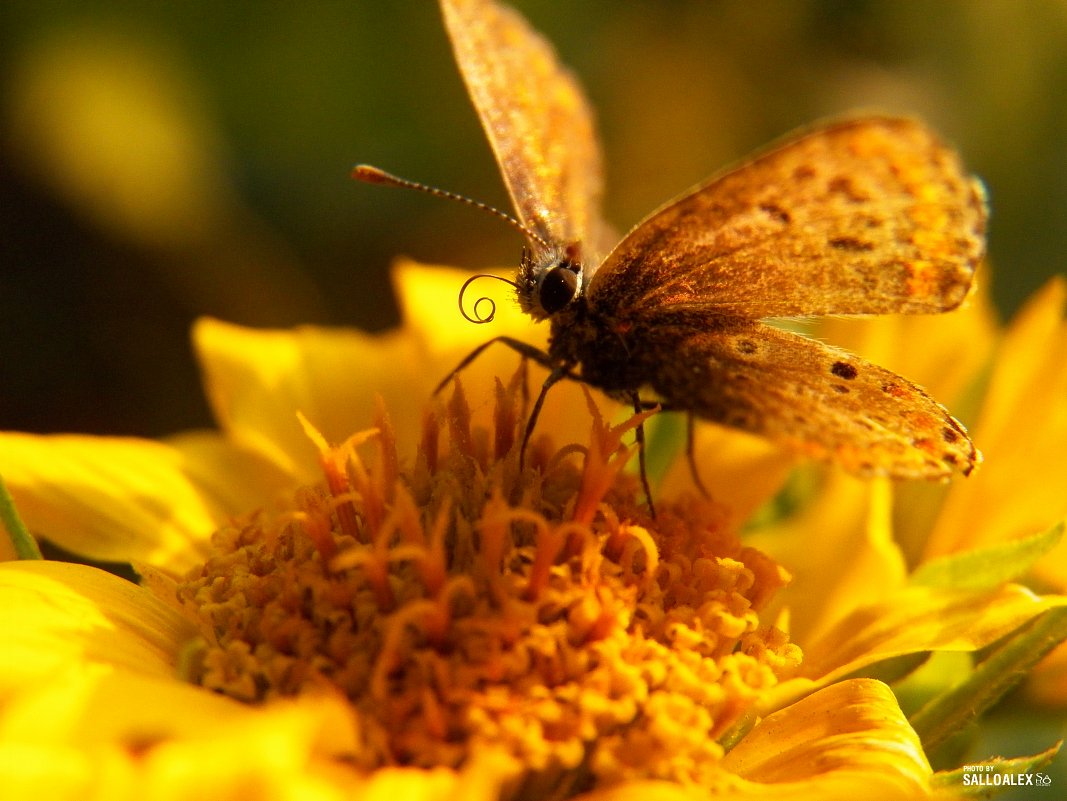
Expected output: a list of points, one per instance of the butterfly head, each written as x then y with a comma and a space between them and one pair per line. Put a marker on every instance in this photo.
550, 281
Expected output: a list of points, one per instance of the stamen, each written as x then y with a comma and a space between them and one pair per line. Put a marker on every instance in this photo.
541, 612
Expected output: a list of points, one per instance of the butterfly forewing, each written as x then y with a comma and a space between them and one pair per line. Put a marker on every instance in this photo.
536, 117
863, 216
811, 398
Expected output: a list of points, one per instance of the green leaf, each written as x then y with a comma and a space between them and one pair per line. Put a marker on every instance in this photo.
977, 780
989, 566
938, 720
940, 672
22, 541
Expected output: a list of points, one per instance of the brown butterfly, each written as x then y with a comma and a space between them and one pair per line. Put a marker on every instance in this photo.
860, 216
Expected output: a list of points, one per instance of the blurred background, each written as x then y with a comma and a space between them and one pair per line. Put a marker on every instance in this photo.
159, 161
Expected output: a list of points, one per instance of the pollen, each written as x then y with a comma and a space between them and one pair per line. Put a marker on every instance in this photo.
461, 603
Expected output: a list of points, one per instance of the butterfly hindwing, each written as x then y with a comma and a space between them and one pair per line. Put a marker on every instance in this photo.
813, 399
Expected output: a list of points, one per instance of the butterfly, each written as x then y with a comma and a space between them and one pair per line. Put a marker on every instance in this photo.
860, 216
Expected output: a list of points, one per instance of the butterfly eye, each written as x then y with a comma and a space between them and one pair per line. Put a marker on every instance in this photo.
559, 287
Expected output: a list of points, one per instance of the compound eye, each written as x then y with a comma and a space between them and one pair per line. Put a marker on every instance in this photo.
558, 288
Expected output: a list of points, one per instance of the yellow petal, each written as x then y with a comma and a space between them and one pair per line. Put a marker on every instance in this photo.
55, 615
847, 741
839, 551
429, 306
739, 470
234, 480
650, 791
1024, 359
481, 779
93, 705
257, 381
124, 735
125, 499
920, 619
1019, 489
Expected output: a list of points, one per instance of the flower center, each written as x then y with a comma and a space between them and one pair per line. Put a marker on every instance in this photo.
462, 604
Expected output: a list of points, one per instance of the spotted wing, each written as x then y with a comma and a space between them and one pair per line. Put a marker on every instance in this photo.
862, 216
816, 400
536, 117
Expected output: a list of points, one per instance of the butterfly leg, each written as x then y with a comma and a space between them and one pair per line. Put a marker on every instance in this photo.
525, 367
690, 452
639, 435
557, 373
690, 456
523, 348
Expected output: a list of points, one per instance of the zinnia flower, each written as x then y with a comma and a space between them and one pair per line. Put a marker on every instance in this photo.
406, 612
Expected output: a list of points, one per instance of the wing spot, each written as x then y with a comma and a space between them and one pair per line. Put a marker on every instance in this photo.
776, 212
844, 370
851, 244
843, 185
746, 346
889, 388
841, 389
949, 435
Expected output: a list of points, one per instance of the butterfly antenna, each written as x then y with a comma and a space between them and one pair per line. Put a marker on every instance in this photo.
372, 175
480, 316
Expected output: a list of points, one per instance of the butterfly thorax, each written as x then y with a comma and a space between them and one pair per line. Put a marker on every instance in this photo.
609, 351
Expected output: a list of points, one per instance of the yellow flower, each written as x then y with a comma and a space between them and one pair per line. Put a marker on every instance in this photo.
407, 613
1013, 384
1023, 430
